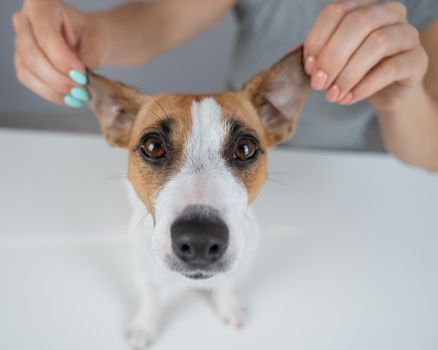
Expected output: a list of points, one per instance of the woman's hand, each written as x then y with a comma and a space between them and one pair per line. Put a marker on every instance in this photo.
54, 43
358, 49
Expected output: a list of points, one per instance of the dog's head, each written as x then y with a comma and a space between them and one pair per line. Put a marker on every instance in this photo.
198, 161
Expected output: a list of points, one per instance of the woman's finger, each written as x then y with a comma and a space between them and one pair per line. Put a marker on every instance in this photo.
353, 30
382, 43
48, 33
35, 61
391, 70
33, 83
324, 27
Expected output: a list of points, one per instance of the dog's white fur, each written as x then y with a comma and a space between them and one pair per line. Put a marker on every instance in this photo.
203, 179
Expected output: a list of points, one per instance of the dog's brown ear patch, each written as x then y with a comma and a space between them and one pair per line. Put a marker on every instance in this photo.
278, 94
116, 107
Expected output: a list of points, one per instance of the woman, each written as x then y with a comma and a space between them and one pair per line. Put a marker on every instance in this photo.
368, 61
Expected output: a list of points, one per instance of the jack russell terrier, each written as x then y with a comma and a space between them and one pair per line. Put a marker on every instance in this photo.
196, 163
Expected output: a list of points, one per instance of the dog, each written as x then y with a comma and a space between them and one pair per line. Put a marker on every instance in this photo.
196, 163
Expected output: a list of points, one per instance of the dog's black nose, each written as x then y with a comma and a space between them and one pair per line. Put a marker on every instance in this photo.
199, 236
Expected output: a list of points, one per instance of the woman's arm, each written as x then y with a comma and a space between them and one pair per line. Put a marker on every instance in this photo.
410, 126
140, 31
54, 39
366, 50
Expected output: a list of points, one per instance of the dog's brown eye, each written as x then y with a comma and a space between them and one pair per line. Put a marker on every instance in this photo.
245, 149
153, 147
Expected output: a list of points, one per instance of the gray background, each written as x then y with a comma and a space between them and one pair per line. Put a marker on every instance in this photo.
200, 65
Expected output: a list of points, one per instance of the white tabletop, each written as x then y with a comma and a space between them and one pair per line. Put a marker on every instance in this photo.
348, 258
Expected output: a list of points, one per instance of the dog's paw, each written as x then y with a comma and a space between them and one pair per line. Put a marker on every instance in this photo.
141, 335
229, 309
233, 315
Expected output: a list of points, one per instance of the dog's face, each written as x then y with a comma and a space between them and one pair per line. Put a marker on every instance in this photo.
198, 161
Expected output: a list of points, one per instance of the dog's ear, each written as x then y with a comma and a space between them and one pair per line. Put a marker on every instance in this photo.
278, 94
116, 107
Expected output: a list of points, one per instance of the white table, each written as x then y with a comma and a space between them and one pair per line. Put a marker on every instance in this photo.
349, 257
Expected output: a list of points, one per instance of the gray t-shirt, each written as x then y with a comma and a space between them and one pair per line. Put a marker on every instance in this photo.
267, 28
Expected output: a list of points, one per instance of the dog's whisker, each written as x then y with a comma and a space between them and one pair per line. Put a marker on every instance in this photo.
115, 177
150, 110
118, 173
160, 105
250, 218
145, 216
277, 182
155, 114
279, 173
150, 95
141, 221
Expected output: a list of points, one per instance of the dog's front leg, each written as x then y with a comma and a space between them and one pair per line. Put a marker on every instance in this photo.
144, 326
228, 306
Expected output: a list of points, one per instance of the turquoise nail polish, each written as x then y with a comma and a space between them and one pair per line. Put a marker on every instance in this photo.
72, 102
79, 94
78, 77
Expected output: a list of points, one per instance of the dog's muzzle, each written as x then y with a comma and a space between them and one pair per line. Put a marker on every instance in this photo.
199, 239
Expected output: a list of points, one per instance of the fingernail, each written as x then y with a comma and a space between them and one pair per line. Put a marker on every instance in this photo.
309, 65
80, 94
332, 94
319, 79
72, 102
78, 77
347, 99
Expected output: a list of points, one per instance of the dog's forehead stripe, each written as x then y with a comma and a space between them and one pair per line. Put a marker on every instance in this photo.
207, 134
